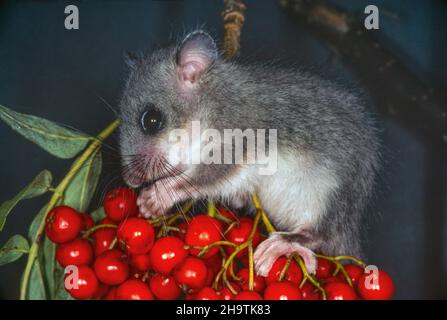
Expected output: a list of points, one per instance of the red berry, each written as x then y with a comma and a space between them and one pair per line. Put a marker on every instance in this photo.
353, 271
76, 252
111, 268
110, 295
248, 295
228, 214
226, 294
240, 233
120, 203
164, 287
103, 239
85, 284
141, 262
258, 282
333, 279
136, 235
133, 289
210, 276
340, 291
107, 221
63, 224
203, 230
192, 273
190, 296
293, 274
214, 263
87, 221
309, 292
244, 261
101, 291
282, 291
166, 254
325, 268
206, 293
376, 286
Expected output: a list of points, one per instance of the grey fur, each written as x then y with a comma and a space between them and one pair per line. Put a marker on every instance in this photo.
313, 116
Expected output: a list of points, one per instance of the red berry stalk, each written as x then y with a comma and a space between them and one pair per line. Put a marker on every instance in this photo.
211, 260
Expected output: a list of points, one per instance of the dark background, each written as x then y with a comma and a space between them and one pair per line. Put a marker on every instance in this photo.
58, 74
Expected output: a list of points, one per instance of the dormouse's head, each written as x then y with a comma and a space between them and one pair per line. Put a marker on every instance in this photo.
165, 92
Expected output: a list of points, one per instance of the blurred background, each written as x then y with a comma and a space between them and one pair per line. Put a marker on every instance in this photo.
64, 75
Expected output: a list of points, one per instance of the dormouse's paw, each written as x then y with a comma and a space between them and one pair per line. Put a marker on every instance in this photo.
154, 201
160, 197
275, 246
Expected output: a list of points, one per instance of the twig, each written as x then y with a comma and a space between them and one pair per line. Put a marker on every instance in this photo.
233, 18
57, 196
318, 12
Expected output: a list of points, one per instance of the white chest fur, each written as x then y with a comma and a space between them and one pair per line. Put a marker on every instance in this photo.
298, 193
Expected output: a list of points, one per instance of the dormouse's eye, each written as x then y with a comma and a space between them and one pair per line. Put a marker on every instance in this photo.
152, 120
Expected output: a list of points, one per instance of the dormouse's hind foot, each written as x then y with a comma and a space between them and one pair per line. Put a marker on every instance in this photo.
278, 245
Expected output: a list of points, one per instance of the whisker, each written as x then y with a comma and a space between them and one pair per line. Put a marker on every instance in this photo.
115, 112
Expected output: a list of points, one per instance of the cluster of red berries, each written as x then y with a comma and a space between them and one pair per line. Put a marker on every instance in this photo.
121, 258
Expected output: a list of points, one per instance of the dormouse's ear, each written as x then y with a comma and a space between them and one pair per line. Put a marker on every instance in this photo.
195, 55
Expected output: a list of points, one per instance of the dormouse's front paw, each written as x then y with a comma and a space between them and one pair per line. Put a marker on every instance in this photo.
154, 201
160, 197
148, 204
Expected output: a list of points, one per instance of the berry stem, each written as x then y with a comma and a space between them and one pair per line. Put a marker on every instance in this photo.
173, 217
229, 286
307, 276
222, 218
250, 268
165, 229
231, 226
205, 249
113, 243
58, 196
285, 269
88, 232
232, 274
229, 262
223, 272
358, 261
211, 209
257, 203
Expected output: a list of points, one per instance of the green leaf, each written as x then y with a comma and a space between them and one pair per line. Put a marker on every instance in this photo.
13, 249
98, 214
36, 286
49, 259
40, 184
57, 140
32, 232
81, 189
